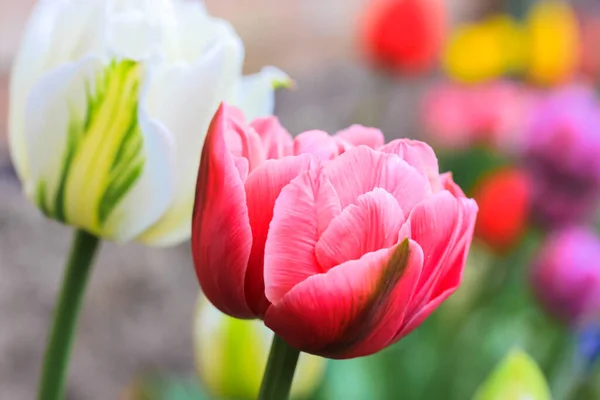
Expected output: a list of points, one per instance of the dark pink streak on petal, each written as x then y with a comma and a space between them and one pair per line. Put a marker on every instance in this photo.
352, 310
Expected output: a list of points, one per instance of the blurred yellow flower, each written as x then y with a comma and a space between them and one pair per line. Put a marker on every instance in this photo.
516, 377
553, 42
485, 50
231, 356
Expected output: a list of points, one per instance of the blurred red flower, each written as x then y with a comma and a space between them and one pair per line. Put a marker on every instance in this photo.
503, 197
404, 35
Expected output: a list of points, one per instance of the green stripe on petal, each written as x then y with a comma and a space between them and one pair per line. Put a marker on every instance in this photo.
104, 153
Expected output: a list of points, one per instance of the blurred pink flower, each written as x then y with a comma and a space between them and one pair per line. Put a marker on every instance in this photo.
458, 116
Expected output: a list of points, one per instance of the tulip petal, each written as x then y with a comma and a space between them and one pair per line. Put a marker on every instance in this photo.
358, 134
451, 275
256, 93
372, 224
418, 154
449, 185
243, 141
443, 226
302, 212
156, 182
262, 189
434, 224
360, 170
316, 142
276, 140
184, 98
56, 33
56, 100
352, 310
221, 234
194, 32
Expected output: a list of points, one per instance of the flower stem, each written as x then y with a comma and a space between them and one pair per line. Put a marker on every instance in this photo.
279, 373
66, 313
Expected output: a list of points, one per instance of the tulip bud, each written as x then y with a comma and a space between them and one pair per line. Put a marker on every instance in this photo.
404, 35
566, 275
110, 102
503, 199
517, 377
231, 356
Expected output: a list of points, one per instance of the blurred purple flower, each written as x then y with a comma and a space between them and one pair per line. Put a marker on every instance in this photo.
562, 150
566, 275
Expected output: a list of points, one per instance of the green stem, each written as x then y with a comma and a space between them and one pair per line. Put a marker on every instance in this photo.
66, 313
279, 373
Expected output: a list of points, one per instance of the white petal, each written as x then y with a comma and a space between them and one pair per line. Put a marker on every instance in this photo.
139, 29
194, 32
256, 93
184, 98
55, 101
151, 195
133, 36
57, 31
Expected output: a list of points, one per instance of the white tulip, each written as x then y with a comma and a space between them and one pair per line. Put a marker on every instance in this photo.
110, 101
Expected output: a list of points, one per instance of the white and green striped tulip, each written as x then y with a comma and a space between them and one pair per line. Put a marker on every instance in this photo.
110, 101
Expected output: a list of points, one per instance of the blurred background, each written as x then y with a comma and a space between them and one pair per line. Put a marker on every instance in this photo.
505, 91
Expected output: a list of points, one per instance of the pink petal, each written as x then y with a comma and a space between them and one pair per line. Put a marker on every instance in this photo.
302, 212
316, 142
360, 170
372, 224
221, 235
241, 139
416, 320
356, 135
252, 147
418, 154
276, 140
354, 309
443, 226
449, 185
434, 224
262, 189
450, 281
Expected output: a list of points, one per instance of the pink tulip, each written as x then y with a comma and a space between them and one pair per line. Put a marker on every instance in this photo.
340, 254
